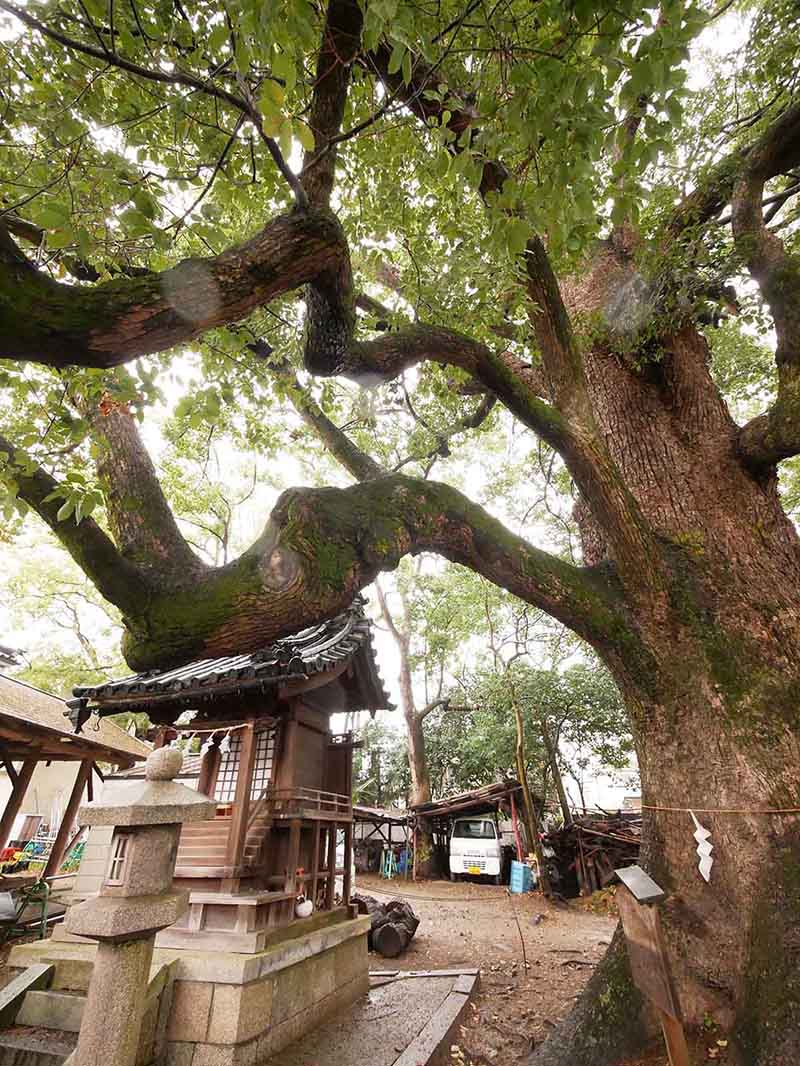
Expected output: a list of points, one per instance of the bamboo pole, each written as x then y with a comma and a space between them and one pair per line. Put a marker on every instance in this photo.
531, 821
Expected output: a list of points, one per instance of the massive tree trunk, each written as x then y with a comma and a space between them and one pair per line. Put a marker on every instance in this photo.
714, 713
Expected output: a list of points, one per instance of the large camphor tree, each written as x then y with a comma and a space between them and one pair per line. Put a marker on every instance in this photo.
547, 207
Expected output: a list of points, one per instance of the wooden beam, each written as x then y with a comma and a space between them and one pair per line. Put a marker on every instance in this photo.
57, 852
241, 807
15, 800
12, 773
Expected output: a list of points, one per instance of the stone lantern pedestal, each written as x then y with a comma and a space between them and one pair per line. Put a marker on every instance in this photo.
136, 900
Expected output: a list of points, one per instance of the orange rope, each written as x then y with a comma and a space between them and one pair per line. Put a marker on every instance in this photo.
723, 810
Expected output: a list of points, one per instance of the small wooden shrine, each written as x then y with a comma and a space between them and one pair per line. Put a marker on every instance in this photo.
281, 779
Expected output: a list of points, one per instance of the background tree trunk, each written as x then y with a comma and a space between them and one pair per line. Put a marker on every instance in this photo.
533, 829
425, 857
552, 755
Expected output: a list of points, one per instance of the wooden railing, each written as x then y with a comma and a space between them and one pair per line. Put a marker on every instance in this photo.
289, 800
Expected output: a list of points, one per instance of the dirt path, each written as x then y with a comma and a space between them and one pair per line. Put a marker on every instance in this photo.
476, 925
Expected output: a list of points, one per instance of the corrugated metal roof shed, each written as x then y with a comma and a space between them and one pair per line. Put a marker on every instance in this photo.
33, 717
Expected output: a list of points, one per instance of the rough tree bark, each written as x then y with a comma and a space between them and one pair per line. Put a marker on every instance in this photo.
691, 589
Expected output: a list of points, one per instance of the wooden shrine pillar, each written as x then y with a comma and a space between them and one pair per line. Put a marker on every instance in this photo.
24, 776
285, 770
312, 895
209, 767
348, 860
330, 887
241, 805
64, 834
293, 855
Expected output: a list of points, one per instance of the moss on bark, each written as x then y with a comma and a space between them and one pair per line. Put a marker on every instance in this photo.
606, 1022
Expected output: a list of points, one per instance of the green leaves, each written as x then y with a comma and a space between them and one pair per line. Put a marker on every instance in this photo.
517, 233
79, 497
52, 215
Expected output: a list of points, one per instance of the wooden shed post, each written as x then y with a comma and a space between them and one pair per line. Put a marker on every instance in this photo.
293, 855
64, 830
24, 776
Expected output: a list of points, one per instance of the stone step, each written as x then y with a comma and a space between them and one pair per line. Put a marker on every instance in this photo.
72, 975
12, 996
222, 834
53, 1010
26, 1046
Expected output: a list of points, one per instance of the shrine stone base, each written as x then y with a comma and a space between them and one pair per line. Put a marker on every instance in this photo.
230, 1009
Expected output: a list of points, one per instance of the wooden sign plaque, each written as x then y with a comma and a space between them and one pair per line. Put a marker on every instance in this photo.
646, 951
648, 958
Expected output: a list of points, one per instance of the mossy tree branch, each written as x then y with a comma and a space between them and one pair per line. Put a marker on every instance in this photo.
774, 152
321, 546
774, 435
115, 577
116, 321
141, 521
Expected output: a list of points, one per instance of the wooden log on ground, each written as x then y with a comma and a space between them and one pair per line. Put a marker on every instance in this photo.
393, 925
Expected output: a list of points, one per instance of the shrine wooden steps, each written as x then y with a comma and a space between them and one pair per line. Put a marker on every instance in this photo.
203, 847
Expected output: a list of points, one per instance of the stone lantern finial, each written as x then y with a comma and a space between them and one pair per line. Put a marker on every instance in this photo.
163, 764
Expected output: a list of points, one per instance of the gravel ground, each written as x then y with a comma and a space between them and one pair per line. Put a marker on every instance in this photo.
469, 924
479, 925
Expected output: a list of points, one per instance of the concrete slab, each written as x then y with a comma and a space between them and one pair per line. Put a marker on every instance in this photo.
432, 1045
54, 1010
378, 1029
216, 966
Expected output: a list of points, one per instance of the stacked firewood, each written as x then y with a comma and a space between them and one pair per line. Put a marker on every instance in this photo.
589, 849
393, 925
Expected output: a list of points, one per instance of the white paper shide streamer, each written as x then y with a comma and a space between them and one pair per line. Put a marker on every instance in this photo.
704, 848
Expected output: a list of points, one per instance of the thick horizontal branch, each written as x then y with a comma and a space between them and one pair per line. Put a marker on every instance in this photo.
321, 546
108, 324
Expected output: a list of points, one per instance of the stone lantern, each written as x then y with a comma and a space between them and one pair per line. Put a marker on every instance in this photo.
136, 900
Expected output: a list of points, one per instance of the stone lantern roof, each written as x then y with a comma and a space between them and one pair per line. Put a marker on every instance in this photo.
157, 800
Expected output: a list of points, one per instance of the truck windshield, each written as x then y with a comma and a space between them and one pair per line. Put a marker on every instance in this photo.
479, 829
